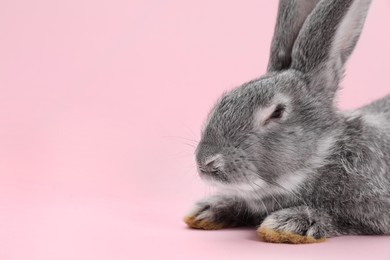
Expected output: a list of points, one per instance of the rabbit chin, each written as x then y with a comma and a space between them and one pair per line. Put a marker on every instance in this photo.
257, 188
237, 186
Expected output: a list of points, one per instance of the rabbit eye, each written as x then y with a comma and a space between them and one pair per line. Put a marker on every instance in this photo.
265, 115
278, 113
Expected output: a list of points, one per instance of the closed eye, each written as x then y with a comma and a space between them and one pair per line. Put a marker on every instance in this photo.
276, 110
276, 114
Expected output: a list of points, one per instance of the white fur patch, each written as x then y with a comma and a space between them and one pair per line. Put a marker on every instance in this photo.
324, 149
290, 182
376, 120
255, 185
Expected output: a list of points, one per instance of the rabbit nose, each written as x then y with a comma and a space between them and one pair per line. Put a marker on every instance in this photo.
213, 168
214, 161
211, 164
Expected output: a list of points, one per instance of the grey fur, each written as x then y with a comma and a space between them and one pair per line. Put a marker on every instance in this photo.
315, 171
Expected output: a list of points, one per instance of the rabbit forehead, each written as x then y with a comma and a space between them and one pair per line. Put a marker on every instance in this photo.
234, 111
258, 93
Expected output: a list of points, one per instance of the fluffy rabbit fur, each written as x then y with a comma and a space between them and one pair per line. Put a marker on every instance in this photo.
282, 155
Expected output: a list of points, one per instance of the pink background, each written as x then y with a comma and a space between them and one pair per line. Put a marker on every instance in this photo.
101, 102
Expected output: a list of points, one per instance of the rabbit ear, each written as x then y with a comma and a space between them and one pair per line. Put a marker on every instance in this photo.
291, 16
326, 40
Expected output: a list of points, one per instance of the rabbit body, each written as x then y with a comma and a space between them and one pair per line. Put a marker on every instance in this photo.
354, 185
283, 156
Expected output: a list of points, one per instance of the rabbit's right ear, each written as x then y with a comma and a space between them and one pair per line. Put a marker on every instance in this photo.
326, 41
291, 16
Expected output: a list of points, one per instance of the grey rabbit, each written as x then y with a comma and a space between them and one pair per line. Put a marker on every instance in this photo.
283, 157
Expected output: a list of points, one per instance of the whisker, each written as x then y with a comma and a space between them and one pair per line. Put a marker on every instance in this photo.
181, 138
189, 129
190, 145
273, 197
257, 194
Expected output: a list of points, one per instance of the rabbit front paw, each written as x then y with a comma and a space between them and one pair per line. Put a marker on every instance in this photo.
292, 225
211, 213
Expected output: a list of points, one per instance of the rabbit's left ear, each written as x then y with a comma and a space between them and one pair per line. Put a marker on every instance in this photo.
326, 41
291, 16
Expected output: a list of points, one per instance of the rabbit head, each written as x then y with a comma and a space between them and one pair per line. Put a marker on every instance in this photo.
272, 131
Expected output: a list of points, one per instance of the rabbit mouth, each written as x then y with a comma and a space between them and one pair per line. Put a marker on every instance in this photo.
238, 180
213, 176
